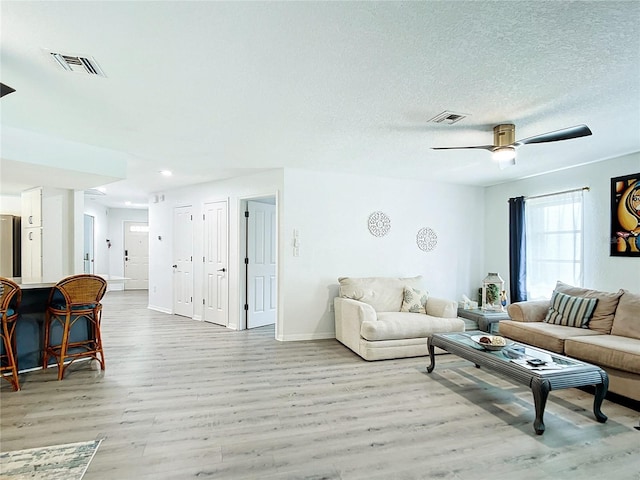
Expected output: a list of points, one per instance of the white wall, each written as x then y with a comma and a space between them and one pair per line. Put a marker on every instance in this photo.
161, 225
602, 271
331, 212
11, 205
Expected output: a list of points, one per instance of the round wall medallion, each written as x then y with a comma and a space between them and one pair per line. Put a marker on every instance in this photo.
379, 224
426, 239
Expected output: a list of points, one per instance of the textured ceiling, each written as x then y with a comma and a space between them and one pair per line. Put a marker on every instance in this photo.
216, 89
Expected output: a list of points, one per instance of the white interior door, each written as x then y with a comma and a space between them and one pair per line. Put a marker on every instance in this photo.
183, 261
136, 255
88, 256
216, 254
261, 270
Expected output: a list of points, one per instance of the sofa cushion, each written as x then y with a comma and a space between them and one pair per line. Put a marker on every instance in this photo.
602, 317
626, 322
570, 311
621, 353
384, 294
542, 334
414, 300
398, 325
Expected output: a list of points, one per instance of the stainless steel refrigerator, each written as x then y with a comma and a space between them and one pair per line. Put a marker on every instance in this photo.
10, 241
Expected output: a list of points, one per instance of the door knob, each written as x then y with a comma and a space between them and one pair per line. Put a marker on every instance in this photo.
222, 270
174, 266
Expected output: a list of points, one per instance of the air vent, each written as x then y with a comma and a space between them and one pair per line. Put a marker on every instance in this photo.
77, 63
448, 117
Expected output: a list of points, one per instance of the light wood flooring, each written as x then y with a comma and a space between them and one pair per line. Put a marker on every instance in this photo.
182, 399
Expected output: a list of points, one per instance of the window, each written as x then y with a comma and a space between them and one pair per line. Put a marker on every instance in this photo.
554, 242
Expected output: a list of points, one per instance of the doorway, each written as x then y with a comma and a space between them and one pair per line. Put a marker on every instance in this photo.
183, 261
136, 255
88, 254
260, 262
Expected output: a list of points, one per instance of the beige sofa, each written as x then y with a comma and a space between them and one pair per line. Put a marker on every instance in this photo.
370, 322
610, 340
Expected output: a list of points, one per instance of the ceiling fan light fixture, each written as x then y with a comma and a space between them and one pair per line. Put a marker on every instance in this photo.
504, 156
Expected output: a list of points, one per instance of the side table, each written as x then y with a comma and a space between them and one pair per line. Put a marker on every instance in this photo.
487, 321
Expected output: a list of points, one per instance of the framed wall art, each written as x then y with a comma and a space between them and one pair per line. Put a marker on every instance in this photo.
625, 216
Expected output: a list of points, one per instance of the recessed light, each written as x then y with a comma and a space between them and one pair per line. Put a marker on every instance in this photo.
166, 173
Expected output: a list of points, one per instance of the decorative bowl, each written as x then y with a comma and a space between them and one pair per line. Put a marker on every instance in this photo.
489, 346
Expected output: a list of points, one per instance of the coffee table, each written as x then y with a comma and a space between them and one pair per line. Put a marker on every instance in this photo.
558, 372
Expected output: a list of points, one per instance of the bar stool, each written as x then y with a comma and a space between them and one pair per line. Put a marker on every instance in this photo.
10, 296
74, 304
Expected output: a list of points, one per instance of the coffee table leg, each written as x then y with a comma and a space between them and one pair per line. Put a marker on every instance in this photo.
601, 391
432, 356
541, 389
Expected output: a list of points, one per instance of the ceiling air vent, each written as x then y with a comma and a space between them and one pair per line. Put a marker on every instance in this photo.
448, 117
77, 63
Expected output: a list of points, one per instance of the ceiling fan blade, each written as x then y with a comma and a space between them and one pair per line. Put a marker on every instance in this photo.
564, 134
5, 90
482, 147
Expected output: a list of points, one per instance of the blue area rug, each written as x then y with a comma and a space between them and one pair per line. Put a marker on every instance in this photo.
58, 462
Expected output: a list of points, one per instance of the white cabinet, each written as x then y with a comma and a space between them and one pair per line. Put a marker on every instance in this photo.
32, 235
32, 208
32, 255
47, 234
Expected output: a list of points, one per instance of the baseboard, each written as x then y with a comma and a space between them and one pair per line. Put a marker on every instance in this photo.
160, 309
307, 336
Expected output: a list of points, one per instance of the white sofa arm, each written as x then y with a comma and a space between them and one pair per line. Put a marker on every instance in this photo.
349, 317
440, 307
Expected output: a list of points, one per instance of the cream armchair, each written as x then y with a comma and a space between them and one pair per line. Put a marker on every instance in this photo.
370, 319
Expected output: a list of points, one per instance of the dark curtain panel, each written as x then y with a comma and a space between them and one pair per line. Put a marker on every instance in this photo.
517, 252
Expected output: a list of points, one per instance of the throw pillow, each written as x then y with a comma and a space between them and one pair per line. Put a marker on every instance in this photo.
414, 300
602, 318
627, 321
570, 311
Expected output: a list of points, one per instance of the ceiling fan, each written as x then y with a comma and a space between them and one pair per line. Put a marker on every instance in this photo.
504, 144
